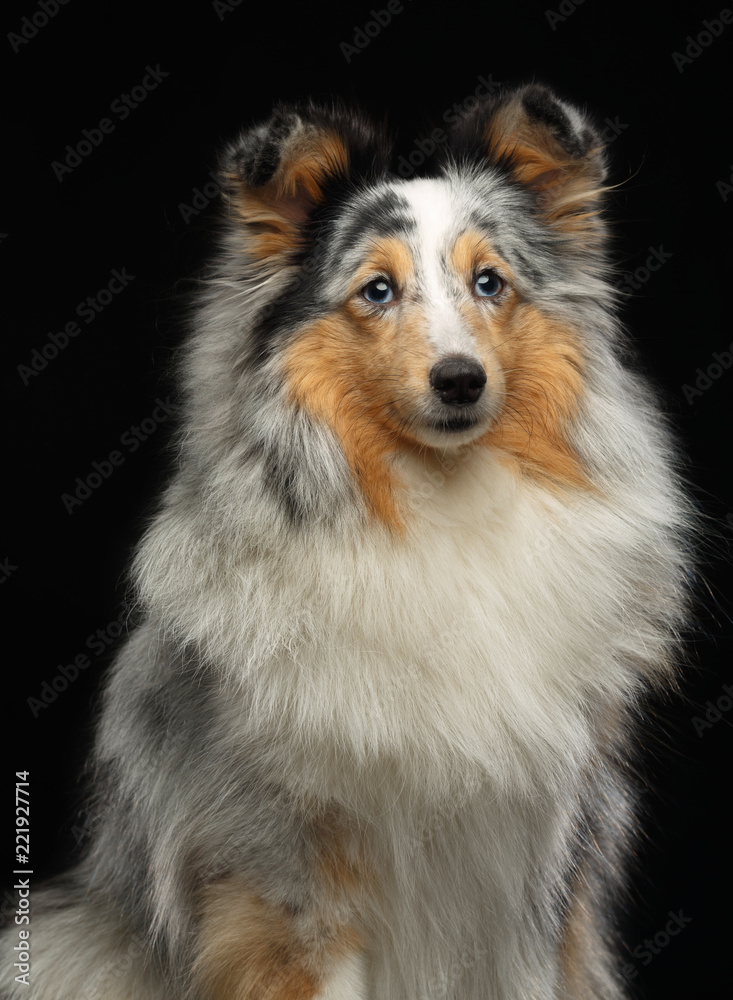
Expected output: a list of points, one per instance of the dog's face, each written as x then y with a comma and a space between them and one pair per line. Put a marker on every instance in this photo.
419, 298
429, 331
432, 312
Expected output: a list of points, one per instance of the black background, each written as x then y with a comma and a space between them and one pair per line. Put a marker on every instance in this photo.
120, 208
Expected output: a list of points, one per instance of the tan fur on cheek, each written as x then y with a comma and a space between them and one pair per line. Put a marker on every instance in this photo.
334, 377
544, 383
251, 950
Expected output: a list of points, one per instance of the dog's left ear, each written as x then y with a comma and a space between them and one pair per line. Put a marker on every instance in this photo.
543, 143
277, 174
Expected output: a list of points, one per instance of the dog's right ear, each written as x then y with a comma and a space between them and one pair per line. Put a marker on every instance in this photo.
543, 143
275, 175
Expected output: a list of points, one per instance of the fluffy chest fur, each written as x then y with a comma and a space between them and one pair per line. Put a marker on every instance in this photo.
483, 643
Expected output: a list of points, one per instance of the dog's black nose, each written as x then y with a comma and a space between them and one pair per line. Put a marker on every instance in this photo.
458, 381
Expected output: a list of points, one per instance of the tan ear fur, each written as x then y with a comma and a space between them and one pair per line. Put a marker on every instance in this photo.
549, 148
275, 210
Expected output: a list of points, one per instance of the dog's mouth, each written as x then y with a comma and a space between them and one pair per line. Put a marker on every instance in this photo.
456, 424
453, 427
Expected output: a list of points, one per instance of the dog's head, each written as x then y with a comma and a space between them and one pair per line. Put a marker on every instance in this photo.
425, 312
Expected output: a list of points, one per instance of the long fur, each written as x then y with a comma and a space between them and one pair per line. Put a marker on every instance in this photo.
372, 740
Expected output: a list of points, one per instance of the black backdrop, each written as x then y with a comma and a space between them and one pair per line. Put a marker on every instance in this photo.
121, 221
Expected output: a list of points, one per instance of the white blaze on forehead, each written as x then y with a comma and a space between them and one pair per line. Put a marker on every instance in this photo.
436, 211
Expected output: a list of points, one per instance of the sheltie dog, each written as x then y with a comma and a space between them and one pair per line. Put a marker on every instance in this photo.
424, 553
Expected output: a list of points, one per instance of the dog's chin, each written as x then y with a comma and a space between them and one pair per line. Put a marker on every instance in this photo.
452, 431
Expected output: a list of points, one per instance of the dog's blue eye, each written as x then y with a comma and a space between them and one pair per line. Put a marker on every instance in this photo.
379, 291
488, 284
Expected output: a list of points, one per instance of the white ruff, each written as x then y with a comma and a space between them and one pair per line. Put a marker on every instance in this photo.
473, 649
